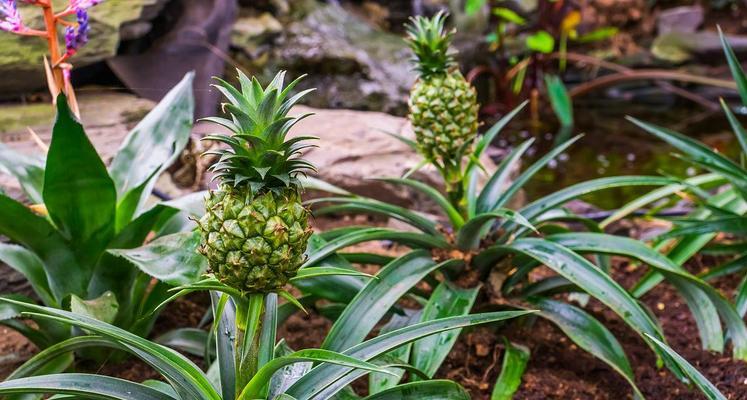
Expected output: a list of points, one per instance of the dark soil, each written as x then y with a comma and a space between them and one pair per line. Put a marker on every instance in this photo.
557, 368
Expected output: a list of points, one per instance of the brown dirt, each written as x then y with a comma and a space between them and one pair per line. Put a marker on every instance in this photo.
557, 368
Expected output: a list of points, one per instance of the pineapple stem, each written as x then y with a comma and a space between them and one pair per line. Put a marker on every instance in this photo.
256, 329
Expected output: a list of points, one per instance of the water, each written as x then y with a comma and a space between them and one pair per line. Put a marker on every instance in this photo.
613, 146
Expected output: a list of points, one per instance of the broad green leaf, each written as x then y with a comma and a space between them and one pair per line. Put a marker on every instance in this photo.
22, 226
377, 297
27, 169
515, 359
172, 259
706, 387
191, 207
84, 385
326, 380
446, 301
103, 308
560, 100
429, 390
127, 206
32, 268
78, 192
155, 142
589, 334
541, 42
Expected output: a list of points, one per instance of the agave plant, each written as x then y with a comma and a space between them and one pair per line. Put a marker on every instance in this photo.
720, 211
68, 243
253, 235
486, 241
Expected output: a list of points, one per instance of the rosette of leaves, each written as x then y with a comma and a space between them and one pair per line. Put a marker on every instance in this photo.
489, 242
80, 243
246, 358
720, 196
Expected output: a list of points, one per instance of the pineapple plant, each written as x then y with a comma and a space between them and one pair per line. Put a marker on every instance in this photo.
255, 229
442, 105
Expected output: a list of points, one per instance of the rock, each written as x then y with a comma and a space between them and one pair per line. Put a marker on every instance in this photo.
352, 64
354, 150
684, 19
21, 57
106, 126
678, 47
251, 33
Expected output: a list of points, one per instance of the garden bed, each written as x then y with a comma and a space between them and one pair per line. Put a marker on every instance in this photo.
557, 368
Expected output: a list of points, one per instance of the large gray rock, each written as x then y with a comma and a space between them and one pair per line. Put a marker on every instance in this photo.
21, 57
354, 150
351, 63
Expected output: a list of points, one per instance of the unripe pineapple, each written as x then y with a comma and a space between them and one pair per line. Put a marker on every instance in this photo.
255, 229
443, 105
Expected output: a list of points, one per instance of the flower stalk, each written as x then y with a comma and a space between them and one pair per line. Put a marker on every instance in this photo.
76, 35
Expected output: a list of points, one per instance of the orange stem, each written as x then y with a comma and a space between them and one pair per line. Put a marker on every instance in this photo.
50, 21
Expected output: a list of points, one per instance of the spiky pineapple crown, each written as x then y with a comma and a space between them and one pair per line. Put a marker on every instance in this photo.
430, 42
258, 155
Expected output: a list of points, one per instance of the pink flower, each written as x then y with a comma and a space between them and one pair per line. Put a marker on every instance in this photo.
10, 18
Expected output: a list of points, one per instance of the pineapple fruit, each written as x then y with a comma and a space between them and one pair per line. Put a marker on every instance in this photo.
443, 105
255, 229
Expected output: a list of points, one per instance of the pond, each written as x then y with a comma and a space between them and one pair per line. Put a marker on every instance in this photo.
613, 146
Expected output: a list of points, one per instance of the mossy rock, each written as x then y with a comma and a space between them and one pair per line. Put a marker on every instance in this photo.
21, 58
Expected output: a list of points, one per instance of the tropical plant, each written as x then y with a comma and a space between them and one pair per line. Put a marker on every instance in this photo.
76, 36
69, 242
249, 361
484, 240
257, 206
720, 196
